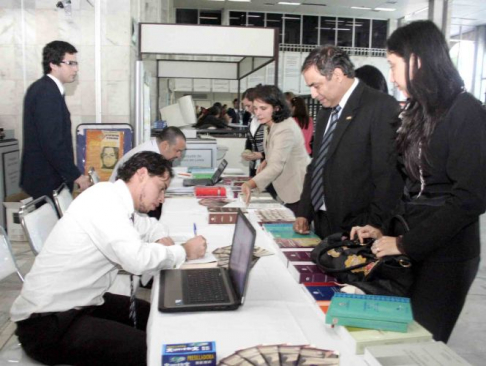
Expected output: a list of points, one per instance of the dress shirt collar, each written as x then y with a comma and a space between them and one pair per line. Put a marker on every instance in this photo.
58, 83
125, 195
346, 95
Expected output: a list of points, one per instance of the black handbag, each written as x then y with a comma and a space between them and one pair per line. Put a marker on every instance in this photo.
353, 263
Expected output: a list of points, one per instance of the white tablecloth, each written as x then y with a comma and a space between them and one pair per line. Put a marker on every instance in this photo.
276, 310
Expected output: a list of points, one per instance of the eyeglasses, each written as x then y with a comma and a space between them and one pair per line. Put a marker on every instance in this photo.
70, 63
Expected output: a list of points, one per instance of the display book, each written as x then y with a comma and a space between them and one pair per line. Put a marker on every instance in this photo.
287, 239
370, 311
281, 354
212, 191
223, 215
189, 354
413, 354
321, 293
360, 338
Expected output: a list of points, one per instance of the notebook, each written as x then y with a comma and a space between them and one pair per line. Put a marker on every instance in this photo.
222, 289
207, 182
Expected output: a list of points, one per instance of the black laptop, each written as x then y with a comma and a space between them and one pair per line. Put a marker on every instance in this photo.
211, 288
207, 182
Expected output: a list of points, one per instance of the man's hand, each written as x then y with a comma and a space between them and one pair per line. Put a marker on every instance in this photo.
301, 225
167, 241
83, 182
195, 247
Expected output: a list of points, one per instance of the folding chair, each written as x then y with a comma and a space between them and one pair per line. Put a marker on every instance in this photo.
37, 218
62, 198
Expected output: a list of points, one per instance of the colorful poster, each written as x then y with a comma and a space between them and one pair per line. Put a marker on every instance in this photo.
103, 150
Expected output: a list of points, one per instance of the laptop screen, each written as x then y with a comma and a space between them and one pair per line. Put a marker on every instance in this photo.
219, 171
241, 253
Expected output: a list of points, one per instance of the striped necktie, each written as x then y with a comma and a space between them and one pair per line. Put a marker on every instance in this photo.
317, 184
133, 306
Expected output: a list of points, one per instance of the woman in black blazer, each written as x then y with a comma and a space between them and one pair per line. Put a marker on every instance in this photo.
443, 159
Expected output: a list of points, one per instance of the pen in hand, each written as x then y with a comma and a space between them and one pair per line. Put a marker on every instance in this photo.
195, 229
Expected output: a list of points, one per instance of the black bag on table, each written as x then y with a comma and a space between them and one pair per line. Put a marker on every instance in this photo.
354, 264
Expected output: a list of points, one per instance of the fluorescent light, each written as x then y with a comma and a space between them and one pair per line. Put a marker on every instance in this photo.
273, 20
215, 18
241, 1
360, 8
287, 3
385, 9
294, 18
254, 16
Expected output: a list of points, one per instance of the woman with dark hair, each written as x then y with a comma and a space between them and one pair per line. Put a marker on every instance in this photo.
212, 119
443, 159
285, 156
305, 122
254, 152
372, 77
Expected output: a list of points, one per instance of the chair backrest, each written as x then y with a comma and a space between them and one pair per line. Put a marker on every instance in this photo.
38, 221
94, 177
8, 265
62, 198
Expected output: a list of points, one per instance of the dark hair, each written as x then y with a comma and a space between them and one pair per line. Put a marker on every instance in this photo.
272, 95
434, 86
212, 113
327, 58
54, 53
249, 94
155, 163
372, 77
300, 112
169, 134
218, 104
289, 95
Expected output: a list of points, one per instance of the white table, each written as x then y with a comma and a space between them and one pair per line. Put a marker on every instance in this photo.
276, 309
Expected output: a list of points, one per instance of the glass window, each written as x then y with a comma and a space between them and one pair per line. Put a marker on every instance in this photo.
292, 29
237, 18
210, 17
275, 21
378, 37
362, 33
345, 32
310, 29
256, 19
328, 31
186, 16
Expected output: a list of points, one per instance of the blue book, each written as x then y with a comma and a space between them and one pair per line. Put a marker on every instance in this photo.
370, 311
323, 293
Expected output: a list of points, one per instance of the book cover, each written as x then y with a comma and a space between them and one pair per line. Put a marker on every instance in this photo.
289, 355
308, 273
222, 217
286, 231
275, 215
322, 293
315, 356
413, 354
270, 354
360, 338
189, 354
289, 244
103, 150
252, 355
202, 191
298, 257
370, 311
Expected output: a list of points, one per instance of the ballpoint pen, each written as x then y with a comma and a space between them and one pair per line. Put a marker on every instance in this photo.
195, 229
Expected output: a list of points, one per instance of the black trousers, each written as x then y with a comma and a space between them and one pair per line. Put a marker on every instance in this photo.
99, 335
439, 293
322, 227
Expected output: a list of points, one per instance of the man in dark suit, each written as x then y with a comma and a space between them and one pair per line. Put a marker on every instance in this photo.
47, 156
352, 179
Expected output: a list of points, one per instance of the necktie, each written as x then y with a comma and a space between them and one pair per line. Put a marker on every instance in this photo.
133, 309
317, 184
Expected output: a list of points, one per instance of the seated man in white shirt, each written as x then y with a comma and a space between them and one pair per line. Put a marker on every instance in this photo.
64, 313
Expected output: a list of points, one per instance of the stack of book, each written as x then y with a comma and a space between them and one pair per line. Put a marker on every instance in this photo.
274, 215
370, 311
413, 354
223, 215
282, 354
321, 293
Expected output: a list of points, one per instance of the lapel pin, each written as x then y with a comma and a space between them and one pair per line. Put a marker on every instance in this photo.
348, 118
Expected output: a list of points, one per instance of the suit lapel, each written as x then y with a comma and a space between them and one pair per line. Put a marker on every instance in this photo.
347, 116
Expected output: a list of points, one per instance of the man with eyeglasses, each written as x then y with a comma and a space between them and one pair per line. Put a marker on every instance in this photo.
47, 155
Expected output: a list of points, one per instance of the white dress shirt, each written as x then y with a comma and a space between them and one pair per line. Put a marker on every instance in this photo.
81, 256
150, 145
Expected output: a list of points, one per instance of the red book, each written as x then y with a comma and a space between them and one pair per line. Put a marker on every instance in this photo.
209, 191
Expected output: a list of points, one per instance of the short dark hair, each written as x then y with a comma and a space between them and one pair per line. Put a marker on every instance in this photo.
155, 163
327, 58
272, 95
372, 77
170, 134
54, 53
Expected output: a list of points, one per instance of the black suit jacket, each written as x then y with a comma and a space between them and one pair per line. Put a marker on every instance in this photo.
362, 184
47, 156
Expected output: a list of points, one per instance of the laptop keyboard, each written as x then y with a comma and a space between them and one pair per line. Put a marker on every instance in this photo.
202, 287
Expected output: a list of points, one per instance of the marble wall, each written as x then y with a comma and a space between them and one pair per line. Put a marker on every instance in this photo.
27, 25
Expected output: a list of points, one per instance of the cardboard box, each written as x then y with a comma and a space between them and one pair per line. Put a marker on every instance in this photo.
12, 204
189, 354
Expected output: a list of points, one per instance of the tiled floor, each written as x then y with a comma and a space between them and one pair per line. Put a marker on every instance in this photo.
467, 338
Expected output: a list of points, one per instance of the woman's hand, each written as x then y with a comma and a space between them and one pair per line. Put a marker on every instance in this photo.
387, 245
246, 190
250, 156
261, 166
365, 232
